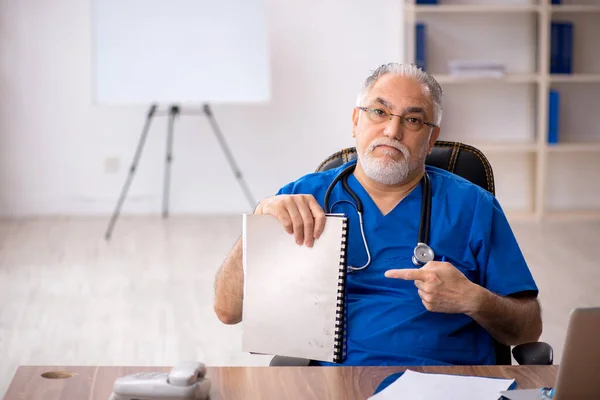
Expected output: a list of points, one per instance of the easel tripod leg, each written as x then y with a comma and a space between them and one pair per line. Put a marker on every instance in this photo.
169, 160
134, 164
232, 163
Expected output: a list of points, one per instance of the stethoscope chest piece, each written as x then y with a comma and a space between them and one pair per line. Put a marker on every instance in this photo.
422, 254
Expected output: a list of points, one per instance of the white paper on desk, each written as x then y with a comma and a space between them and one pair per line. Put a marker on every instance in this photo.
524, 394
427, 386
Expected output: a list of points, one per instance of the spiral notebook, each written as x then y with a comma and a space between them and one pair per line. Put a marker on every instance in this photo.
294, 296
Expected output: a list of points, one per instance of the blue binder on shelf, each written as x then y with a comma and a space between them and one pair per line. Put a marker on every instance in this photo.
554, 48
420, 46
553, 116
566, 50
426, 2
555, 1
561, 47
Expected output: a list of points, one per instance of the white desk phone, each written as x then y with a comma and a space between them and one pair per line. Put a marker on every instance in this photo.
186, 381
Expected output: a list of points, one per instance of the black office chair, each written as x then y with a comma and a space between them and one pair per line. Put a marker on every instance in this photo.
469, 163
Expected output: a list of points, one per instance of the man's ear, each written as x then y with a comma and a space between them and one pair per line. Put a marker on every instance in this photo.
354, 121
433, 138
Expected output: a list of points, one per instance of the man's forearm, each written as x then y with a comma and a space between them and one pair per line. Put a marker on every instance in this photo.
510, 321
229, 287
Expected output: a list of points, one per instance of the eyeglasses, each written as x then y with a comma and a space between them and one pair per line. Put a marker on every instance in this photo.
413, 124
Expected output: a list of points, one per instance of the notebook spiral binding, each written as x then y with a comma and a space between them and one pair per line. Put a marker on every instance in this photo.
341, 326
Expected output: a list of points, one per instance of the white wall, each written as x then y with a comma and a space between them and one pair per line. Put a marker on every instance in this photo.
54, 145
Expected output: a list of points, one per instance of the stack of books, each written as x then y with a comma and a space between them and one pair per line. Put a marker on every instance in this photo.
476, 69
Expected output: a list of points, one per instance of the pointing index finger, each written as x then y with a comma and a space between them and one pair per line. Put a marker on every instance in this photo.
409, 274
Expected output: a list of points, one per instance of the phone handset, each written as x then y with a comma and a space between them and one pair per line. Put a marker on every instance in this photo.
187, 380
186, 373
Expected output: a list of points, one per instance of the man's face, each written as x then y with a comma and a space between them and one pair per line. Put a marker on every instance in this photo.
389, 152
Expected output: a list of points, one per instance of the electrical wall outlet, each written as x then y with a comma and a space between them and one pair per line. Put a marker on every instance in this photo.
112, 165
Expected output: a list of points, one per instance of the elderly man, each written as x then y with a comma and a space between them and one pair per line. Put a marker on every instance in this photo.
449, 310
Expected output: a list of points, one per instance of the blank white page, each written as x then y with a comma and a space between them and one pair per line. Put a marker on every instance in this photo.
179, 51
427, 386
290, 293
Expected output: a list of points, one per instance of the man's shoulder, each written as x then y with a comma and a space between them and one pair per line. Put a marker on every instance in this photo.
458, 193
314, 182
456, 186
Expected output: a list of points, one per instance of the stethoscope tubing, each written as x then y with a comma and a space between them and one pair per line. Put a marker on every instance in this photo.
422, 252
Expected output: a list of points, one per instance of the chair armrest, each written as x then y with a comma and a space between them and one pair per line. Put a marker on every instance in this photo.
535, 353
281, 361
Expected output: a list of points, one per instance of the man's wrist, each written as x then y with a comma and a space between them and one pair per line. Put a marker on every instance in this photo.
476, 298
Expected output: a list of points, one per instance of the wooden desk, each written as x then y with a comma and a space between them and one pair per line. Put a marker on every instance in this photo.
348, 383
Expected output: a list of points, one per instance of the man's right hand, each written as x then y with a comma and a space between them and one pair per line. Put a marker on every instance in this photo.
300, 214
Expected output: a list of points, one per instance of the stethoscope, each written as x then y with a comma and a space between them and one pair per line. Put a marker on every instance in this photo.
422, 254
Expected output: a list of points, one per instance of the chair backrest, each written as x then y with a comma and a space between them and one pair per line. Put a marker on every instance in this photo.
463, 160
459, 158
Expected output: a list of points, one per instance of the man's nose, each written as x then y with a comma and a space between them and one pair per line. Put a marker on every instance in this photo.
393, 128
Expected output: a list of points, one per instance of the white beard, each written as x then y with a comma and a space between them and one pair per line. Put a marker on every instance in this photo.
388, 171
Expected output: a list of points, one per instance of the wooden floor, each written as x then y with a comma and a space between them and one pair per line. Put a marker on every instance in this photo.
68, 297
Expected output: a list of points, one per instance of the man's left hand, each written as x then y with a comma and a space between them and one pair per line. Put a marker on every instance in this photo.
442, 287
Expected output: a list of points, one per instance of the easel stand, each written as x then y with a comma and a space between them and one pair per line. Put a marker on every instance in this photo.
174, 112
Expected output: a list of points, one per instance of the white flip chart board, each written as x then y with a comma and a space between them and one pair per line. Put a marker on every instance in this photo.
179, 51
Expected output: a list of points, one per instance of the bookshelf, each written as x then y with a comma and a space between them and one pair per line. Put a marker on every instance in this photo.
535, 179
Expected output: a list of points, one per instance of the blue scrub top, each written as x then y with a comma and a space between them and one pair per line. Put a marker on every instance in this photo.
387, 322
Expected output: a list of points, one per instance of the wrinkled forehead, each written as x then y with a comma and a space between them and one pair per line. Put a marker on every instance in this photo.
399, 93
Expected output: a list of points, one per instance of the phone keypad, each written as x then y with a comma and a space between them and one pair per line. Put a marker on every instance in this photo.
150, 375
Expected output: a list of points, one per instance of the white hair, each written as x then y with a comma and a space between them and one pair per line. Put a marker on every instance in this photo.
432, 87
